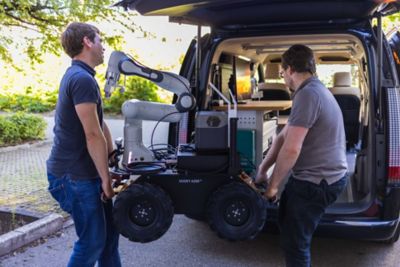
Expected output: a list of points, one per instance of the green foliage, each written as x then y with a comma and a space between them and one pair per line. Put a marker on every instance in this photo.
395, 17
21, 127
30, 101
391, 22
42, 22
135, 88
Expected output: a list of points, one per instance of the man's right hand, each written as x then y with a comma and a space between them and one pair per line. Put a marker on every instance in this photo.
261, 178
107, 190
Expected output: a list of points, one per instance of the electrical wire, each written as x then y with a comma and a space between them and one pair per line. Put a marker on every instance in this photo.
186, 148
169, 147
158, 122
163, 152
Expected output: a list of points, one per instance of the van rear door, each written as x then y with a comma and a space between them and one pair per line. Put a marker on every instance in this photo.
218, 13
392, 95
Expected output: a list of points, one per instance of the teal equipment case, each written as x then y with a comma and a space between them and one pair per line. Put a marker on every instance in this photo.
245, 143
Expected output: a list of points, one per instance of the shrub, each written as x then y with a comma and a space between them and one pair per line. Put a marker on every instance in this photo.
21, 127
39, 101
135, 88
8, 132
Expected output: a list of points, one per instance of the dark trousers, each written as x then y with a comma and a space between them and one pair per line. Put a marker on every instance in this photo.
301, 207
97, 237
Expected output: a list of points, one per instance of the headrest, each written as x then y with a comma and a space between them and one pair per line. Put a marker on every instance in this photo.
342, 79
341, 90
272, 71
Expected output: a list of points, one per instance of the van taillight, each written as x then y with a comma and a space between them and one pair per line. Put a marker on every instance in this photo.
394, 175
393, 100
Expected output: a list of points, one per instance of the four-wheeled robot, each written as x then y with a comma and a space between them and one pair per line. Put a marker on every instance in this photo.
202, 180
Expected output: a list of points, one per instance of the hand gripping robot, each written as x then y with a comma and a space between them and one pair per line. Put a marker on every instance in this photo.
201, 180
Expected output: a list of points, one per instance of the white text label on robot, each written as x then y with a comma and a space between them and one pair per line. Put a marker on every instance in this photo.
190, 181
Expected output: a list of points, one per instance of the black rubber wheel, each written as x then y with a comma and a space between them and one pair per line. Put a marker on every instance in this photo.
143, 212
236, 212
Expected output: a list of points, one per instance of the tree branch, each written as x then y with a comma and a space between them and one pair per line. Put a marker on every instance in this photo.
50, 21
19, 19
7, 24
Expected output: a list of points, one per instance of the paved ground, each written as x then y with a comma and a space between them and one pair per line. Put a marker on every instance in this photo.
23, 179
188, 243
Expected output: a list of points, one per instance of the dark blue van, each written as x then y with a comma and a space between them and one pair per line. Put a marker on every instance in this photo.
355, 60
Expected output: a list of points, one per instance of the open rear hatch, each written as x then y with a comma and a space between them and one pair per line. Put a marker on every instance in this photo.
220, 13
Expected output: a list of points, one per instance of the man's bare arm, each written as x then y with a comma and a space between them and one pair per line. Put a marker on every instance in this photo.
96, 143
107, 135
272, 154
287, 157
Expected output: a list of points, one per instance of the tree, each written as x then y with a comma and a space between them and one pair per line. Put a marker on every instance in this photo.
42, 21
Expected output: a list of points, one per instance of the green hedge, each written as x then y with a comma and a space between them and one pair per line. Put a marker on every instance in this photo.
135, 88
20, 127
39, 101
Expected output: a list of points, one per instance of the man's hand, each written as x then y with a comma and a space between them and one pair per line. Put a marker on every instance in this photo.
108, 192
271, 193
261, 178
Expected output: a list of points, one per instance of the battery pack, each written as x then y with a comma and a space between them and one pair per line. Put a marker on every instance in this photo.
211, 132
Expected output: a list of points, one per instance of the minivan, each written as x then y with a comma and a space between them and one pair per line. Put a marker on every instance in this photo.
355, 60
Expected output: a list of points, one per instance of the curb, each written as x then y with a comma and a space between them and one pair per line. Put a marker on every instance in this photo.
30, 232
25, 146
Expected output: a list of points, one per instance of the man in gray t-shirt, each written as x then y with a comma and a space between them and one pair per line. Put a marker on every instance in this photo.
313, 146
323, 153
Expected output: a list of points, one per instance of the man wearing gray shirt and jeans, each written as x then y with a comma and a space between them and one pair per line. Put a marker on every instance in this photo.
313, 146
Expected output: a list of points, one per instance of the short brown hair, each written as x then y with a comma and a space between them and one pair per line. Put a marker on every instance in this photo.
72, 37
299, 58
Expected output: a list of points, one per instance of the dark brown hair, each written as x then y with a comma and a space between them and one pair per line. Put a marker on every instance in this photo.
299, 58
72, 37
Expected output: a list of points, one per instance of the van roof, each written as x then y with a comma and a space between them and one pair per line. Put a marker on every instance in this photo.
254, 12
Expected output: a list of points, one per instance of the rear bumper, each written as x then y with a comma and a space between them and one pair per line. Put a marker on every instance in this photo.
362, 230
349, 229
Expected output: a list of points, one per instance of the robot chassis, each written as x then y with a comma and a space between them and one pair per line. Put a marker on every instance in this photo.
204, 186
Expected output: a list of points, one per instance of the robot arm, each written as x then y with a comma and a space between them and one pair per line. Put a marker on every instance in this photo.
136, 111
119, 63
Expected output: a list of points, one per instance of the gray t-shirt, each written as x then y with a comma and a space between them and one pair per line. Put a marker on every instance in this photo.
323, 154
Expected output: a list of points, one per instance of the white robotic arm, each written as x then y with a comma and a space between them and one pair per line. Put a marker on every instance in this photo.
135, 111
119, 63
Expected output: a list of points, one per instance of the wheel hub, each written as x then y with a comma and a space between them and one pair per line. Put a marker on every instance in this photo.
236, 213
142, 213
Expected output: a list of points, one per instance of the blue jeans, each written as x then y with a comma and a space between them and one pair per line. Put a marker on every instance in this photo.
97, 237
301, 207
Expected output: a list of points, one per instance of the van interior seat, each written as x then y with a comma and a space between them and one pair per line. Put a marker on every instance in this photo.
348, 98
274, 90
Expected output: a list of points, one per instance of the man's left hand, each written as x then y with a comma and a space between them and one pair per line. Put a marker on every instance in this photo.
271, 193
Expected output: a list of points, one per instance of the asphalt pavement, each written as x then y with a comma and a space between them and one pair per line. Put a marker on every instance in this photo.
191, 243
